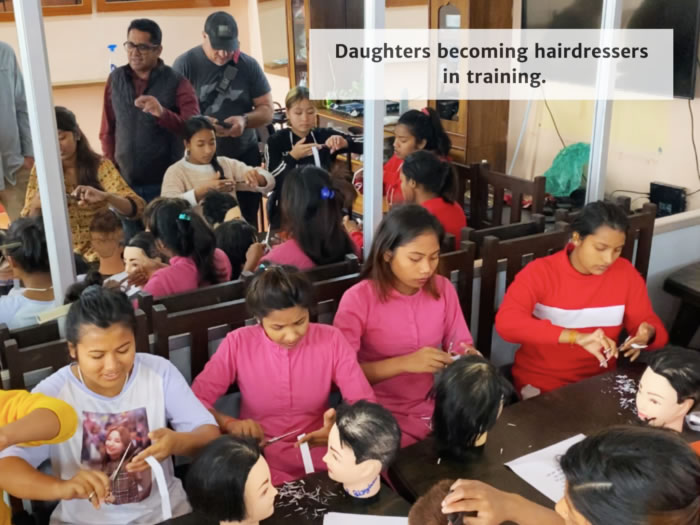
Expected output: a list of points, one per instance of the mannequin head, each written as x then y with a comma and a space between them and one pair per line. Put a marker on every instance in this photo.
107, 239
469, 396
229, 481
630, 476
362, 443
427, 510
669, 388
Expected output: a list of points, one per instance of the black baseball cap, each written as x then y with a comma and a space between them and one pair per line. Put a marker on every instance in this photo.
222, 31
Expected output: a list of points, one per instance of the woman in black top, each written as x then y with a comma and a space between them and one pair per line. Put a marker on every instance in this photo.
302, 143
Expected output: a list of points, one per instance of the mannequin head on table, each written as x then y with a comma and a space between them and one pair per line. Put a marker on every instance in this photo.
362, 443
427, 510
229, 481
669, 388
469, 397
630, 476
107, 240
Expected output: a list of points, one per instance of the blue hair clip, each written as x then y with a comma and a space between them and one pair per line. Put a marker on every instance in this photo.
184, 217
327, 193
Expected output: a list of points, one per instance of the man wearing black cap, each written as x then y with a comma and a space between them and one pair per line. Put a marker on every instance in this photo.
233, 92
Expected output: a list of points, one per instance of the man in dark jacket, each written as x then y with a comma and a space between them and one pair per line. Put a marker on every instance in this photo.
145, 106
233, 92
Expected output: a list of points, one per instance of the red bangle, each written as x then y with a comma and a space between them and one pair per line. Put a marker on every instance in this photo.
226, 423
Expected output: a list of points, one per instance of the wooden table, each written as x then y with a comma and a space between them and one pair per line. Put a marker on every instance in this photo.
685, 283
527, 426
317, 495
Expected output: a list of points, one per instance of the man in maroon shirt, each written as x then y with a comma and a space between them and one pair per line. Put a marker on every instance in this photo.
145, 106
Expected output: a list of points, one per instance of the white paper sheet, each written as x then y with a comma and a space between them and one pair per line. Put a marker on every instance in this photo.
337, 518
541, 468
306, 456
162, 487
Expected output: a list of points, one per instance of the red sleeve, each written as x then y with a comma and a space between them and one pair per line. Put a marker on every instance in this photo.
108, 122
187, 106
514, 320
638, 310
358, 238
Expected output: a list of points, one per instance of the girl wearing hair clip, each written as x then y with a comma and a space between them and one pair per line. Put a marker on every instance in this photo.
312, 221
184, 237
285, 368
416, 130
303, 143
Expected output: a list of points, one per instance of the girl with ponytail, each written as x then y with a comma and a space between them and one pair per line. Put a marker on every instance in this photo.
428, 181
184, 237
312, 221
25, 250
201, 171
416, 130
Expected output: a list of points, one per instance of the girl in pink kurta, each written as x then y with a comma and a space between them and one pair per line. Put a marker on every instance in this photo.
285, 368
184, 237
402, 319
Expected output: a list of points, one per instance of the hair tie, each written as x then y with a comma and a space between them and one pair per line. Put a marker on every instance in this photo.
327, 193
184, 217
425, 111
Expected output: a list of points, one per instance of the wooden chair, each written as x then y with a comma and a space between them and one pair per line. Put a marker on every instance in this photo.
517, 253
350, 265
568, 216
327, 295
504, 232
483, 179
465, 178
29, 353
448, 243
28, 336
195, 322
458, 267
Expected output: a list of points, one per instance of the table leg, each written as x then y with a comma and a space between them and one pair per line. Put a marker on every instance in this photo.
685, 325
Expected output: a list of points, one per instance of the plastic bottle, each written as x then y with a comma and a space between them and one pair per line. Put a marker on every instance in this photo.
112, 50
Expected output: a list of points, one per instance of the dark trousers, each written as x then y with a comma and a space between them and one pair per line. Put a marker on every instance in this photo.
249, 201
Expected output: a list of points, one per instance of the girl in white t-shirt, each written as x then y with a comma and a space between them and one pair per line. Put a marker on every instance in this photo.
28, 257
127, 404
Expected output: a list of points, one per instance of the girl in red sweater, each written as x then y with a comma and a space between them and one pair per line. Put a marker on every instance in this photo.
567, 310
428, 181
416, 130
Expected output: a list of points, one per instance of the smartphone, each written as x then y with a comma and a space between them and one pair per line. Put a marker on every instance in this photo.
225, 125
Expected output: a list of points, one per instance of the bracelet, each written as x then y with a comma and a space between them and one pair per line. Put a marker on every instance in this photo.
226, 423
573, 334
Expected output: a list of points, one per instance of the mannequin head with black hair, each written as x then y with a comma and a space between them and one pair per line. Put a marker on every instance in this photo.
229, 481
469, 397
669, 387
28, 256
631, 476
363, 441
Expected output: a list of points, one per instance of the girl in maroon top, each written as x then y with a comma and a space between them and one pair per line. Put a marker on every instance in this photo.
428, 181
416, 130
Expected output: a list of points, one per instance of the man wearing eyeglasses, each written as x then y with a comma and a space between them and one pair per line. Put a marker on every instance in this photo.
145, 106
233, 93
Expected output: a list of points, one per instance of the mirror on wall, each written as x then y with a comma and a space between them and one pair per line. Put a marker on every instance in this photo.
273, 31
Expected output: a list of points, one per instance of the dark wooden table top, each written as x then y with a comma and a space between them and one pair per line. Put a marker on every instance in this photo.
307, 501
586, 407
685, 283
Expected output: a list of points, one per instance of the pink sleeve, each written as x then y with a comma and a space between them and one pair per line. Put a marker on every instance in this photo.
157, 285
222, 265
351, 317
347, 374
456, 329
218, 374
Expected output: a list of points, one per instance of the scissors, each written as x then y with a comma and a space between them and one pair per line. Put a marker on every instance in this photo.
282, 436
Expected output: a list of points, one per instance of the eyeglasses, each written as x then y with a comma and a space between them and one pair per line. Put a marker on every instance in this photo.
142, 48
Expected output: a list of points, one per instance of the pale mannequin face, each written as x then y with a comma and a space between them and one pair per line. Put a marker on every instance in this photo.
286, 327
302, 117
259, 494
135, 259
570, 515
657, 402
342, 463
414, 263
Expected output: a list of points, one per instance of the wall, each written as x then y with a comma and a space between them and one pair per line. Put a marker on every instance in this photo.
650, 141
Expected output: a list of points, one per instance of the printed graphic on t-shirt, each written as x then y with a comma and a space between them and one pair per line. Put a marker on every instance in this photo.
110, 441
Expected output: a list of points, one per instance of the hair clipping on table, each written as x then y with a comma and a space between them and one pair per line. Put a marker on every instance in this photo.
425, 111
184, 217
327, 193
